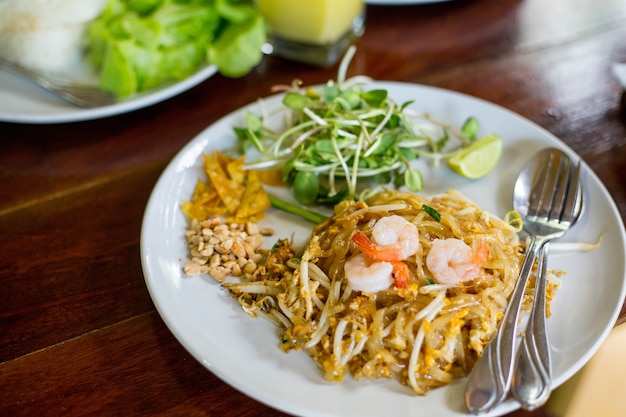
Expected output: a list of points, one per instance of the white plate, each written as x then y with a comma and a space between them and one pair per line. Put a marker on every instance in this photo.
21, 101
400, 2
244, 351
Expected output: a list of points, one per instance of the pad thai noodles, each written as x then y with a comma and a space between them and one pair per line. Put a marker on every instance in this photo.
399, 287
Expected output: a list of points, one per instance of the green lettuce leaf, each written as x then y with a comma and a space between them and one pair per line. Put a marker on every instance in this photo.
142, 44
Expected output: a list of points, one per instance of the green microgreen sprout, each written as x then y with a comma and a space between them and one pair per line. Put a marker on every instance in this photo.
340, 139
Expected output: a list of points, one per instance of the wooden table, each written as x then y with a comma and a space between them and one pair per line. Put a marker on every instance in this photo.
79, 334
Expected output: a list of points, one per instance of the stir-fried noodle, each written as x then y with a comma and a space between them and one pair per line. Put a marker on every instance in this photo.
423, 332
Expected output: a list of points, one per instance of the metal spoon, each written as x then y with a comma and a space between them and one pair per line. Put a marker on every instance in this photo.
551, 200
531, 384
79, 95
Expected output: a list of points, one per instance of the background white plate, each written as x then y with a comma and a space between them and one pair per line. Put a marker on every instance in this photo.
21, 101
244, 351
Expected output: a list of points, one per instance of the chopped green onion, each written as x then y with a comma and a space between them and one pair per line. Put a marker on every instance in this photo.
431, 212
306, 214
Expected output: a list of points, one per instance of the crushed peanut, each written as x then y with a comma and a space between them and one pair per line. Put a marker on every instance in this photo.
221, 249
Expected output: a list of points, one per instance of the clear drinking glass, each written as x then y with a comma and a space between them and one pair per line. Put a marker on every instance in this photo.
315, 32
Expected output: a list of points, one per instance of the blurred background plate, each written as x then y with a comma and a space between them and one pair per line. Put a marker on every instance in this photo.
21, 101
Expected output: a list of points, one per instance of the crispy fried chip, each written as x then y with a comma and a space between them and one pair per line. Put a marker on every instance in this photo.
231, 190
235, 170
273, 177
254, 200
205, 202
240, 220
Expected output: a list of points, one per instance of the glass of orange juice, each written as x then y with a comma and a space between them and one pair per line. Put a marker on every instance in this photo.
315, 32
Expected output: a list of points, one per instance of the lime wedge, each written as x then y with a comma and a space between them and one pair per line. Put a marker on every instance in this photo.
476, 160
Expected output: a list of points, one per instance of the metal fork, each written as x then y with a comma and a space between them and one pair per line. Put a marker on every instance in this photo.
532, 379
545, 219
79, 95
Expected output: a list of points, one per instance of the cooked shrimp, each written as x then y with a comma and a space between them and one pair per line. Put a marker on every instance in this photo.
400, 274
394, 239
366, 275
452, 261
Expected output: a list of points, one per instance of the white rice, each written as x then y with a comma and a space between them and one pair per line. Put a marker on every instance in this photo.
45, 35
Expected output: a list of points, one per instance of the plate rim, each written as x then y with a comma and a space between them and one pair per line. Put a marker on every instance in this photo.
70, 113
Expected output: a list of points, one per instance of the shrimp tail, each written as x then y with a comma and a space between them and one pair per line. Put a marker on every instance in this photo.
401, 274
373, 251
362, 241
